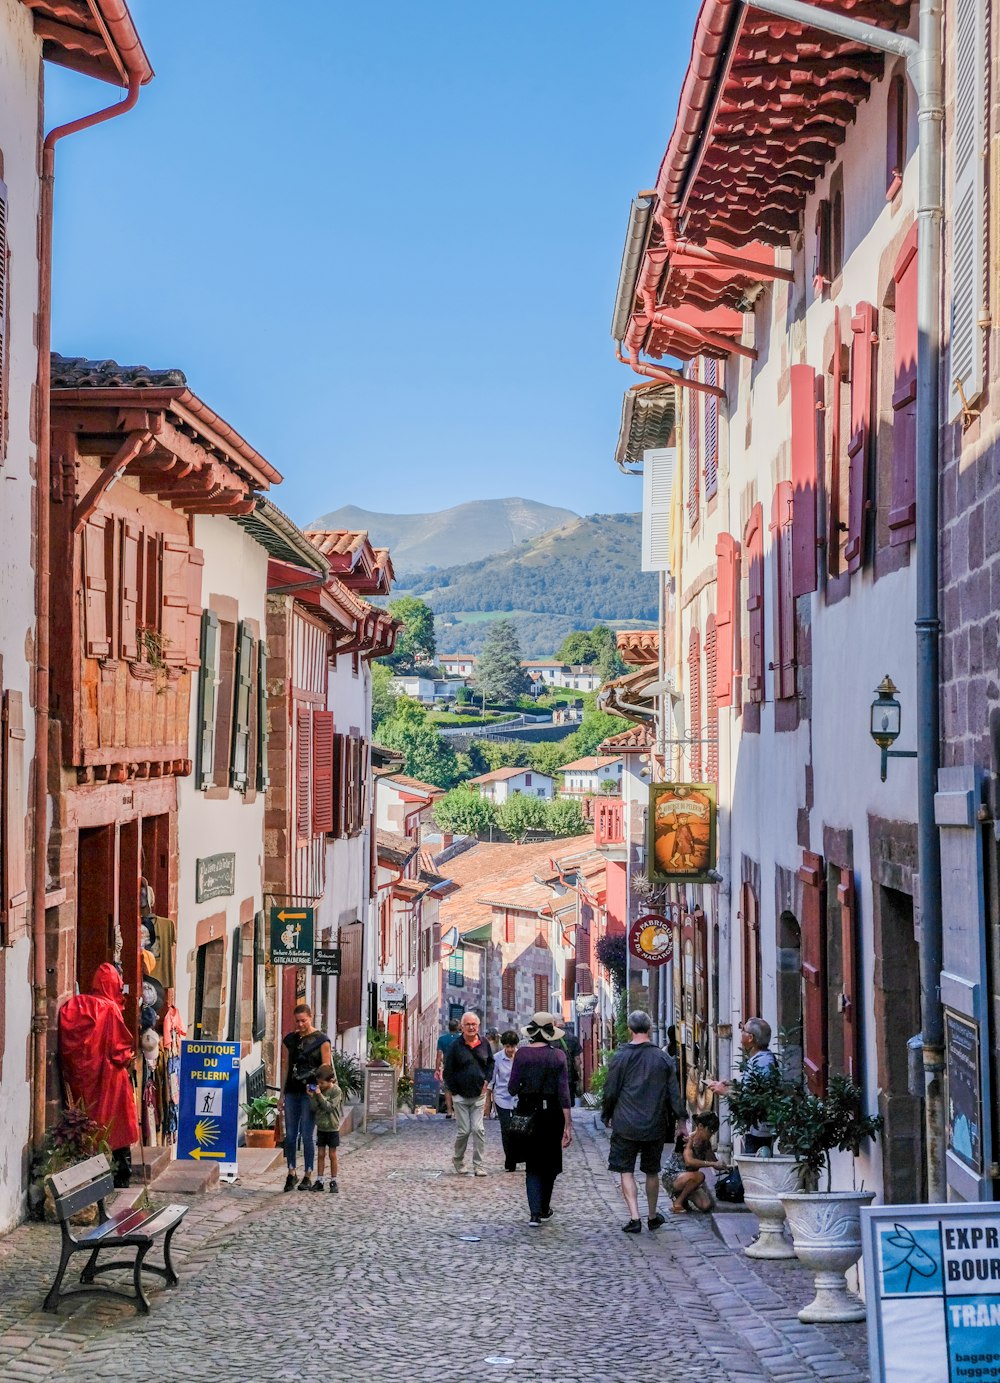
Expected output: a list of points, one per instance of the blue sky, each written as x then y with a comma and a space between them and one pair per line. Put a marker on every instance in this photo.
382, 241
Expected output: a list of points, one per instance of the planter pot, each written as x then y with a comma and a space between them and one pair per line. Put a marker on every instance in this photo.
260, 1137
765, 1181
826, 1231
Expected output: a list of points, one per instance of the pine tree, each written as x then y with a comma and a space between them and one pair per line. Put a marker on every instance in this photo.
499, 675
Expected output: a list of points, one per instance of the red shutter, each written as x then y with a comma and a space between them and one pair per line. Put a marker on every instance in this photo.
303, 774
813, 934
754, 542
322, 772
833, 498
508, 998
903, 508
694, 700
805, 477
864, 340
750, 918
97, 548
692, 403
542, 991
850, 996
784, 599
711, 430
196, 562
725, 603
128, 633
174, 601
711, 701
13, 811
509, 927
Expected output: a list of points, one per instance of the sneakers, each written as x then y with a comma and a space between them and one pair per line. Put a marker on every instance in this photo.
535, 1222
289, 1182
633, 1227
306, 1183
656, 1221
480, 1172
547, 1214
333, 1185
459, 1169
318, 1184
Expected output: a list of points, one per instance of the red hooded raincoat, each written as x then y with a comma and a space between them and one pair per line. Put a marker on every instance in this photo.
96, 1050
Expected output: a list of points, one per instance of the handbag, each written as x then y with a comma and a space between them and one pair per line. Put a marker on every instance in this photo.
522, 1125
729, 1186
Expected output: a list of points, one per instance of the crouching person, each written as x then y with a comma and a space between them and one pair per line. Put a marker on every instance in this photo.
684, 1175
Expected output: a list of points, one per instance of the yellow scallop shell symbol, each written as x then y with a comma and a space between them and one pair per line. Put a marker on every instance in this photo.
206, 1133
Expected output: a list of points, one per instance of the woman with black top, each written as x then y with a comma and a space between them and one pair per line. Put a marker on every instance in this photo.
539, 1077
308, 1049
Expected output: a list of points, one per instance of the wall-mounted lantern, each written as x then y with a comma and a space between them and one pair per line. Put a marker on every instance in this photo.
886, 722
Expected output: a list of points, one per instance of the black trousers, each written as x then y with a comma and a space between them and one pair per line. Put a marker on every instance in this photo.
509, 1150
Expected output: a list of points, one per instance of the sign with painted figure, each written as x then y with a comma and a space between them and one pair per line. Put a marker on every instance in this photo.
292, 930
214, 877
681, 832
651, 939
965, 1109
932, 1283
208, 1115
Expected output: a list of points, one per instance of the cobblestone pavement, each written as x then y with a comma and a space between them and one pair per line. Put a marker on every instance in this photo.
412, 1273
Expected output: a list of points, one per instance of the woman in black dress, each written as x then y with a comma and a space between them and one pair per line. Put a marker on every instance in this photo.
539, 1078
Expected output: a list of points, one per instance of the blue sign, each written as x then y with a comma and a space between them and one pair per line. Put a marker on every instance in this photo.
209, 1113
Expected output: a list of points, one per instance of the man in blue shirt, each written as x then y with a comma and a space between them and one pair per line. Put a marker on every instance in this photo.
443, 1043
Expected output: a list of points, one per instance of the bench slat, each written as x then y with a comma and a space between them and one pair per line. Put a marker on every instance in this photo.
124, 1222
163, 1218
85, 1195
79, 1175
133, 1224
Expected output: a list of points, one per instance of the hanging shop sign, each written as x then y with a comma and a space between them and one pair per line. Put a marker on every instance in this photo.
586, 1003
326, 962
214, 877
209, 1109
651, 939
932, 1284
681, 832
292, 930
393, 991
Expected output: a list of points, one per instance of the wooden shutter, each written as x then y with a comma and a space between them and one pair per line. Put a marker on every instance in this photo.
13, 818
174, 601
903, 508
322, 772
754, 544
239, 763
967, 205
864, 339
303, 774
339, 827
259, 980
824, 248
694, 700
4, 371
711, 430
813, 931
235, 975
658, 465
542, 993
692, 404
750, 920
849, 998
351, 940
263, 736
98, 547
208, 683
784, 599
509, 988
128, 604
509, 927
725, 605
711, 701
805, 477
195, 564
835, 501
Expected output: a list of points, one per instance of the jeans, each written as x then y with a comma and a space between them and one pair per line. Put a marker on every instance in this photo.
469, 1117
509, 1150
539, 1188
299, 1119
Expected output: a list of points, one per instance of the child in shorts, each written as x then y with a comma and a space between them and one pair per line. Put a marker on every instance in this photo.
327, 1101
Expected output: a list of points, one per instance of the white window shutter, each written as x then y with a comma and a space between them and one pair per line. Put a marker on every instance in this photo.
658, 467
968, 206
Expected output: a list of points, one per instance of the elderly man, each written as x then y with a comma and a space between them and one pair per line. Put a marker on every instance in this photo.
642, 1103
468, 1070
755, 1040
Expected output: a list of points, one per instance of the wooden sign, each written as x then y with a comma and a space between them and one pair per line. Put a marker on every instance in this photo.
214, 877
380, 1093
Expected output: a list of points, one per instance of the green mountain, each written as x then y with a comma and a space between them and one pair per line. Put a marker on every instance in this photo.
465, 533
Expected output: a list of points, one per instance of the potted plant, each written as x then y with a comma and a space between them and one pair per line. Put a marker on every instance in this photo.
826, 1225
73, 1139
349, 1075
753, 1098
261, 1114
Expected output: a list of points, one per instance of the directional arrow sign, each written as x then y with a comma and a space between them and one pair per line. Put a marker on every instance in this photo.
209, 1113
199, 1153
292, 916
292, 931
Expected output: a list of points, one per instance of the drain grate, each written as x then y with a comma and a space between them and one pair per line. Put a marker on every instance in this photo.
414, 1175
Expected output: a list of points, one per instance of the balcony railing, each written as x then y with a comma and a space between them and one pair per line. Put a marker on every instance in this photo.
609, 821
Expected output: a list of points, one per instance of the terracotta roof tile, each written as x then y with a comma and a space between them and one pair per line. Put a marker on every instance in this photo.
639, 646
499, 870
590, 763
77, 372
427, 790
637, 739
500, 775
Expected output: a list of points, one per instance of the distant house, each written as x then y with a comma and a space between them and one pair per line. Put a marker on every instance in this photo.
508, 782
427, 689
550, 672
586, 679
585, 777
457, 664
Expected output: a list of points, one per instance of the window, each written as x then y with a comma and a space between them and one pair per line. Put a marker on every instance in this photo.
812, 877
350, 776
711, 702
842, 989
207, 693
838, 474
455, 1012
726, 549
753, 541
750, 930
244, 707
822, 273
784, 595
895, 136
691, 400
508, 988
350, 940
303, 775
806, 414
543, 991
694, 701
13, 812
426, 948
456, 968
527, 780
789, 995
864, 340
224, 702
837, 224
98, 585
209, 980
967, 203
711, 430
903, 506
509, 927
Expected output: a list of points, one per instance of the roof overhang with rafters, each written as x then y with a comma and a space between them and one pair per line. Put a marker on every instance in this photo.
95, 37
649, 416
353, 558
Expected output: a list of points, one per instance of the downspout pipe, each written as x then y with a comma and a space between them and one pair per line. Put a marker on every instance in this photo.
43, 486
924, 62
667, 376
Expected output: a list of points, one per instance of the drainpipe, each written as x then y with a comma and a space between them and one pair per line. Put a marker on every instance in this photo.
666, 376
43, 489
924, 63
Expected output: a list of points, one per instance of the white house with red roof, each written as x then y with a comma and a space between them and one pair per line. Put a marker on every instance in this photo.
590, 775
510, 782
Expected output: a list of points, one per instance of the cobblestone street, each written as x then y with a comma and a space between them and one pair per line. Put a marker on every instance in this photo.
413, 1273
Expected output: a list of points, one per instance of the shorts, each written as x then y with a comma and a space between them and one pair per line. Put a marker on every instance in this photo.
624, 1151
327, 1138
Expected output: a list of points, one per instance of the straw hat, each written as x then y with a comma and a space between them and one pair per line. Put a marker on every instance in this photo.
543, 1025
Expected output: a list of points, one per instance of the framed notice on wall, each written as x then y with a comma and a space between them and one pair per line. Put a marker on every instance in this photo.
681, 832
965, 1106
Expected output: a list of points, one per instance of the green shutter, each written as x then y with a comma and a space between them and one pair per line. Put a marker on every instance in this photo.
239, 762
235, 987
263, 778
259, 989
207, 684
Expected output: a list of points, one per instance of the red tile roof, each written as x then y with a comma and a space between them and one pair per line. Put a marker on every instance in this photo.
503, 872
639, 646
637, 739
414, 785
500, 775
591, 763
98, 39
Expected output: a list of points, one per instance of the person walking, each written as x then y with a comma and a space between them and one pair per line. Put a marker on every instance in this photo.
755, 1041
443, 1043
468, 1070
642, 1103
539, 1078
326, 1099
500, 1097
308, 1049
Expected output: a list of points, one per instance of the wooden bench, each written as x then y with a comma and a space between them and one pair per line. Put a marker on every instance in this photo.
87, 1184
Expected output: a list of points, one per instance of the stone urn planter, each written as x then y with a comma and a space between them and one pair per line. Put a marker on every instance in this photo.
765, 1181
826, 1232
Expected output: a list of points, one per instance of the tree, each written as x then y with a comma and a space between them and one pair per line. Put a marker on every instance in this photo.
464, 813
549, 756
503, 754
499, 675
595, 728
597, 647
563, 817
521, 813
428, 755
415, 642
383, 697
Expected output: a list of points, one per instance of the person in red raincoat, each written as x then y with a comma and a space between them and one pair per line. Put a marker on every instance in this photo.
96, 1050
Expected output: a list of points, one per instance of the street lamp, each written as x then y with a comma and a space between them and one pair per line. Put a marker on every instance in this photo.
886, 722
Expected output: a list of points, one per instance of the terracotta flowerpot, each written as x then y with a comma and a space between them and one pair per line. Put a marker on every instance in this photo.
260, 1137
765, 1181
826, 1231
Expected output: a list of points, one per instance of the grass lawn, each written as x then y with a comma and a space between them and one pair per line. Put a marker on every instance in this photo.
452, 718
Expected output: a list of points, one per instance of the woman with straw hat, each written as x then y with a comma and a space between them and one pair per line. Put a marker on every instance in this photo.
539, 1077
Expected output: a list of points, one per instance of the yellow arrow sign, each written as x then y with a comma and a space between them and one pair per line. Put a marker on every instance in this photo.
199, 1154
292, 916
